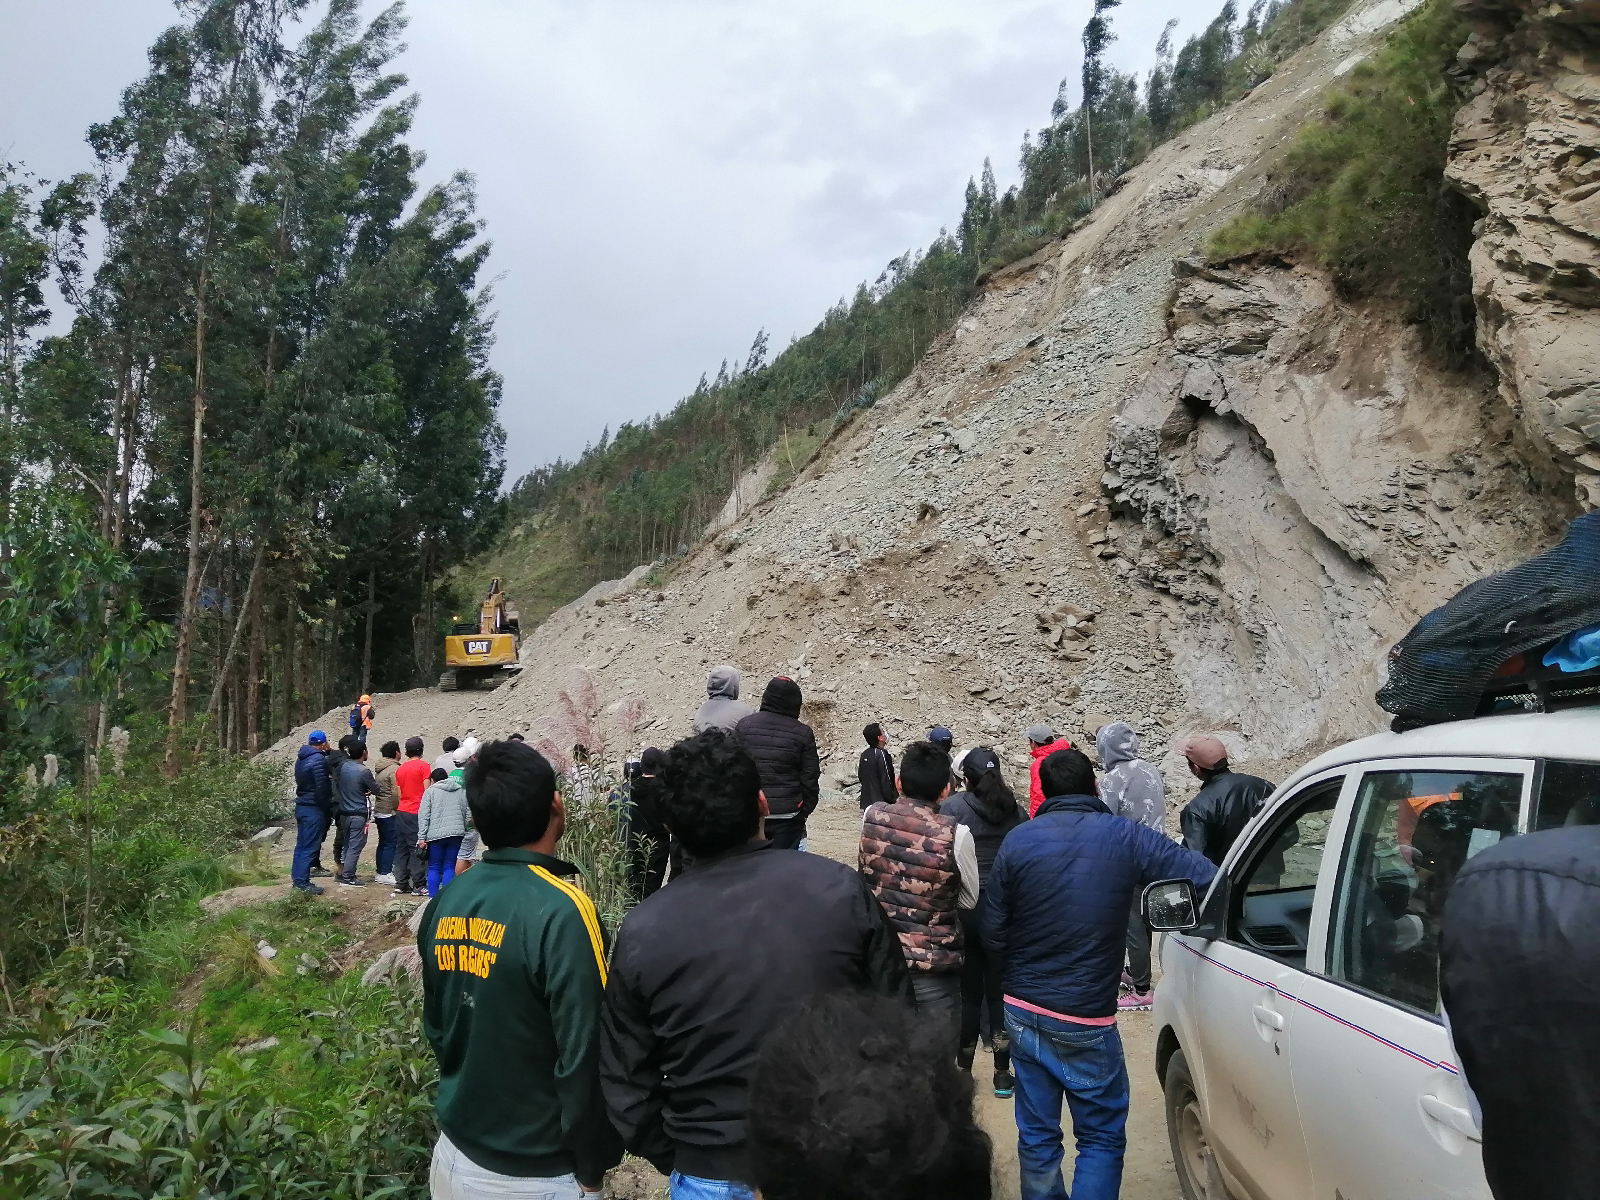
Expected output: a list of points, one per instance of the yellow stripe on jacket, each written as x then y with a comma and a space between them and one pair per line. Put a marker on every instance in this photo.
586, 910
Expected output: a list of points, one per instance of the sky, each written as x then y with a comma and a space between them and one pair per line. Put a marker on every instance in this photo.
660, 178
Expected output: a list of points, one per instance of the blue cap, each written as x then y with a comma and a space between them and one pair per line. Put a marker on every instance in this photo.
940, 736
317, 736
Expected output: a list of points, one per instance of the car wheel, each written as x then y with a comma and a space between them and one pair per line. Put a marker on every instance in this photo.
1186, 1128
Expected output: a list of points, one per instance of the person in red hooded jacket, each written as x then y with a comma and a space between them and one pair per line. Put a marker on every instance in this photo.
1042, 743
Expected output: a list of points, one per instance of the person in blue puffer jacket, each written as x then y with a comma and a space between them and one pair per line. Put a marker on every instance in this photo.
313, 810
1055, 916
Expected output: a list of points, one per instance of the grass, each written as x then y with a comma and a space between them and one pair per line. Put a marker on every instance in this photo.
1363, 193
541, 568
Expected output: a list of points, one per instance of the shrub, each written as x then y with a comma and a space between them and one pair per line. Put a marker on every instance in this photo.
1364, 195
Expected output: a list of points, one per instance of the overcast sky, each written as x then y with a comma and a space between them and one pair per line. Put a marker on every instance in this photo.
661, 178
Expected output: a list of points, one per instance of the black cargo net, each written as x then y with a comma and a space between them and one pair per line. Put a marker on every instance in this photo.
1461, 659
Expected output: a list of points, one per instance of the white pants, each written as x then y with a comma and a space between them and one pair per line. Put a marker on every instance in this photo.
454, 1176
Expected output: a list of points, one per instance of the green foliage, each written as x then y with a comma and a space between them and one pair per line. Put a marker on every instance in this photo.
1363, 192
68, 627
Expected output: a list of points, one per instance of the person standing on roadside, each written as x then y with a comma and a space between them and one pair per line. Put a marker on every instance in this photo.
1055, 917
923, 867
442, 820
876, 769
989, 810
361, 715
410, 863
384, 808
1042, 743
357, 789
709, 966
313, 809
1132, 788
646, 829
1226, 801
1519, 954
337, 757
446, 761
723, 709
785, 751
513, 969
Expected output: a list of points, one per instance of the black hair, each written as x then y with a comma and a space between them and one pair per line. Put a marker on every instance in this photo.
1066, 773
711, 798
357, 749
995, 802
346, 741
872, 733
390, 750
413, 747
924, 772
515, 737
437, 774
511, 790
855, 1097
450, 744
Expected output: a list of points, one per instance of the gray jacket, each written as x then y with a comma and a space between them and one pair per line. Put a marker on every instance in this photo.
1131, 787
443, 813
723, 709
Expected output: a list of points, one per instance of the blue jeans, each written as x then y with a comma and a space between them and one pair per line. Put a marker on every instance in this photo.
692, 1187
388, 833
442, 863
1053, 1058
311, 826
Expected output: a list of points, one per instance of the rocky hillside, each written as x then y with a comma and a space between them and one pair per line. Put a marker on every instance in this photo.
1132, 484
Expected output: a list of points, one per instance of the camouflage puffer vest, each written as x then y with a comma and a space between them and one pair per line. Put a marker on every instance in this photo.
908, 855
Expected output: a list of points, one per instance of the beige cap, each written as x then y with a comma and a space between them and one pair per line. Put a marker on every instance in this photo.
1203, 750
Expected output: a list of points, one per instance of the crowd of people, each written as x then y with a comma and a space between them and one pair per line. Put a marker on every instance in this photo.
769, 1022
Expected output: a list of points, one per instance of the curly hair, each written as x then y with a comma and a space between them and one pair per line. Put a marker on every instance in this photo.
711, 798
856, 1097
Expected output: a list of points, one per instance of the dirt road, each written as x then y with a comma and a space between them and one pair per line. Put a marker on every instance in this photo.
834, 831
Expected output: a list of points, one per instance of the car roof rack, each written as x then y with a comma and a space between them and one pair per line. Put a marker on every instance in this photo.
1538, 688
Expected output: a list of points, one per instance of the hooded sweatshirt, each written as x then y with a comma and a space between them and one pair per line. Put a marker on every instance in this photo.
1131, 787
785, 751
1040, 753
443, 813
723, 709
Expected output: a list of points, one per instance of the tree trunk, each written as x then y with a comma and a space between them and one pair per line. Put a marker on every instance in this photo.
366, 647
252, 694
225, 663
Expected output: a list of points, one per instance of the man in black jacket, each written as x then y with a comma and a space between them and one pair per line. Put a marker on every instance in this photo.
876, 769
708, 966
785, 751
1224, 805
1519, 956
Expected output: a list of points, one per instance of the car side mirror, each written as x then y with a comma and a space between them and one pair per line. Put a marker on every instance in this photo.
1170, 906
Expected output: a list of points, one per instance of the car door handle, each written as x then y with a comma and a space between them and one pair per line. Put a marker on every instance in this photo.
1451, 1117
1268, 1016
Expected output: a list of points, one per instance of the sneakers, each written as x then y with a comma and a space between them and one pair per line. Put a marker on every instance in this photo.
384, 878
309, 889
1134, 1000
1127, 980
1005, 1083
352, 883
402, 891
320, 873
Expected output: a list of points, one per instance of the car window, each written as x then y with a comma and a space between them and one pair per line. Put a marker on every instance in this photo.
1410, 834
1274, 889
1569, 794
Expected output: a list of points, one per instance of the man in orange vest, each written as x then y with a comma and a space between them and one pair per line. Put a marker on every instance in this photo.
361, 714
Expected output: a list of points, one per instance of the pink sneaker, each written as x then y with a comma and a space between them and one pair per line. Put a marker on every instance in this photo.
1132, 1001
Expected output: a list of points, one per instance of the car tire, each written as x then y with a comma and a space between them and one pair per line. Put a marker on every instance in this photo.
1192, 1161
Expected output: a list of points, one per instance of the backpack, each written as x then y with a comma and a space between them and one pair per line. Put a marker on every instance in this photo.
355, 718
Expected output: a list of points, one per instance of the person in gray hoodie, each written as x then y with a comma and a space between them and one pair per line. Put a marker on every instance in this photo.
723, 709
1130, 787
442, 821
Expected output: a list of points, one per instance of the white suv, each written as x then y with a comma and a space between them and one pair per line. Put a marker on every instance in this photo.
1300, 1038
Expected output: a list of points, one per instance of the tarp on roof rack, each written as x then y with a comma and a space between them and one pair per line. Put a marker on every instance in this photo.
1439, 671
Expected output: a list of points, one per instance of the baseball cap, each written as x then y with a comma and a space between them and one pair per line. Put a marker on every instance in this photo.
1203, 750
940, 736
1040, 735
978, 760
317, 736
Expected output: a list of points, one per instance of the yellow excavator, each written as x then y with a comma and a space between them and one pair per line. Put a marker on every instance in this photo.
485, 650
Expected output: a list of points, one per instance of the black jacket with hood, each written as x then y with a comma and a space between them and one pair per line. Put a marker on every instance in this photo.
704, 969
1519, 957
785, 751
1213, 819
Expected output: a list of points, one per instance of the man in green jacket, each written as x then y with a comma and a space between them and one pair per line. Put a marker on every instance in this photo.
513, 969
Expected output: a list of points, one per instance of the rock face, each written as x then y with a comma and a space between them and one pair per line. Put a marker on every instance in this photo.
1526, 149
